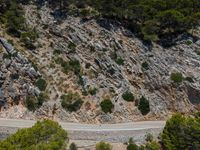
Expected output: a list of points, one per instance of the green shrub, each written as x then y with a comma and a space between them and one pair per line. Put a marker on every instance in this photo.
144, 106
14, 76
198, 52
42, 98
71, 101
73, 146
145, 65
92, 91
177, 77
189, 79
56, 52
119, 61
28, 38
107, 106
153, 145
41, 84
128, 96
72, 47
188, 42
31, 103
103, 146
72, 65
6, 56
44, 135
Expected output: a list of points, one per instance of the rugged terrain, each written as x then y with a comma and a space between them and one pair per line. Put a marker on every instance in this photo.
98, 46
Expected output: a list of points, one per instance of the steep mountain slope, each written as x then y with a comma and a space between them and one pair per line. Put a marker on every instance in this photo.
109, 60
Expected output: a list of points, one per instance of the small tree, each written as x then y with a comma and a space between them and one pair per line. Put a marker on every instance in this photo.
144, 106
103, 146
107, 106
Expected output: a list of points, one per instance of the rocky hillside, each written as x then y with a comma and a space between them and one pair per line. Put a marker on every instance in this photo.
98, 60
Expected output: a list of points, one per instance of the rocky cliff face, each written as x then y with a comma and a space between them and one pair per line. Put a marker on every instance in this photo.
113, 61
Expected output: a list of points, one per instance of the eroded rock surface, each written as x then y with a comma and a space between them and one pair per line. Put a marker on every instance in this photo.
98, 49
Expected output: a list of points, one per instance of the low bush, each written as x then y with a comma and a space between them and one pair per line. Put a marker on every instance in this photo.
145, 65
92, 91
71, 101
177, 77
41, 84
35, 102
107, 106
128, 96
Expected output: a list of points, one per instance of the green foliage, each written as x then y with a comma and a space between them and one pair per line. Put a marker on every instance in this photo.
149, 137
33, 102
92, 91
177, 77
182, 133
14, 76
128, 96
72, 65
103, 146
119, 61
132, 145
71, 101
107, 106
153, 145
72, 47
6, 56
197, 52
189, 79
28, 38
150, 19
145, 65
73, 146
43, 135
41, 84
144, 106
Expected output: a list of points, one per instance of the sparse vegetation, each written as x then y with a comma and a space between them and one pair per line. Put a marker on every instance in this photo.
107, 106
33, 102
128, 96
71, 101
144, 106
177, 77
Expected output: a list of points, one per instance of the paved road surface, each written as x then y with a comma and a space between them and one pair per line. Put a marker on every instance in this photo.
133, 126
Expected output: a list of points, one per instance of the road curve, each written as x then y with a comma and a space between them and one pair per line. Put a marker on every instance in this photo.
132, 126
